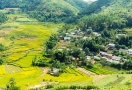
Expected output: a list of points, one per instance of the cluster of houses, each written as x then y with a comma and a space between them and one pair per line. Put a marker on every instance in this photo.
129, 51
111, 46
109, 57
78, 35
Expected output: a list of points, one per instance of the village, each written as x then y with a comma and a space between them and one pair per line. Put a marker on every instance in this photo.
108, 55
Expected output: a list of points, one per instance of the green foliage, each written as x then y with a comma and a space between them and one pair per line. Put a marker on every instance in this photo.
3, 18
77, 87
1, 61
92, 45
52, 41
11, 85
125, 40
2, 47
47, 10
51, 10
39, 62
9, 3
80, 4
106, 14
49, 86
96, 6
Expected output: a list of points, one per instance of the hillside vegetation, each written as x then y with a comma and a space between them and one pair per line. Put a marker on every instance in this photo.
107, 14
65, 44
47, 10
3, 18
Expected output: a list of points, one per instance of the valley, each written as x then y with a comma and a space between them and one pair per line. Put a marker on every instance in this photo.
67, 44
24, 38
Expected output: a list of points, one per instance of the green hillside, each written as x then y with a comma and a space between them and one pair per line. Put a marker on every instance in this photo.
80, 4
53, 10
107, 14
65, 45
47, 10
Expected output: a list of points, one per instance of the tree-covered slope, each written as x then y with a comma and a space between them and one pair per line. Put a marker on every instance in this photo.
52, 10
47, 10
79, 4
107, 14
95, 6
9, 3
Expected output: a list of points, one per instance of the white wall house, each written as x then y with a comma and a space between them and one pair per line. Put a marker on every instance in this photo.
129, 51
111, 45
67, 38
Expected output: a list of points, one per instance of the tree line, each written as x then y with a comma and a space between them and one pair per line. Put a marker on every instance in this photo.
3, 18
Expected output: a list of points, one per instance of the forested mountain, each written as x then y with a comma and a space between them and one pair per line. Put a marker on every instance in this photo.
99, 15
47, 10
53, 10
77, 3
107, 14
9, 3
96, 6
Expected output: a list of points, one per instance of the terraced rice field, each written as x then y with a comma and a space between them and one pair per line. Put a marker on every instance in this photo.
106, 80
102, 70
2, 70
117, 81
8, 69
70, 75
86, 71
22, 78
27, 60
12, 69
16, 56
24, 39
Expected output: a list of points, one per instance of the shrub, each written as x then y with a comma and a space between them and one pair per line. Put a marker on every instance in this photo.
49, 86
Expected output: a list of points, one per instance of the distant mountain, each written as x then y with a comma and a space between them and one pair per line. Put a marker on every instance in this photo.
107, 5
95, 6
9, 3
79, 4
47, 10
52, 10
107, 14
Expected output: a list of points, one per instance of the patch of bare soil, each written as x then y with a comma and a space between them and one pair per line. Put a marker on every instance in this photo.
86, 71
89, 73
45, 71
98, 77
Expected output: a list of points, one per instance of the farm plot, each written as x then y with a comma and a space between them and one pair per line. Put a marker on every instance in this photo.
27, 61
4, 41
117, 81
101, 70
15, 56
12, 69
17, 49
10, 25
22, 78
104, 81
2, 70
70, 75
24, 19
32, 36
74, 71
83, 70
